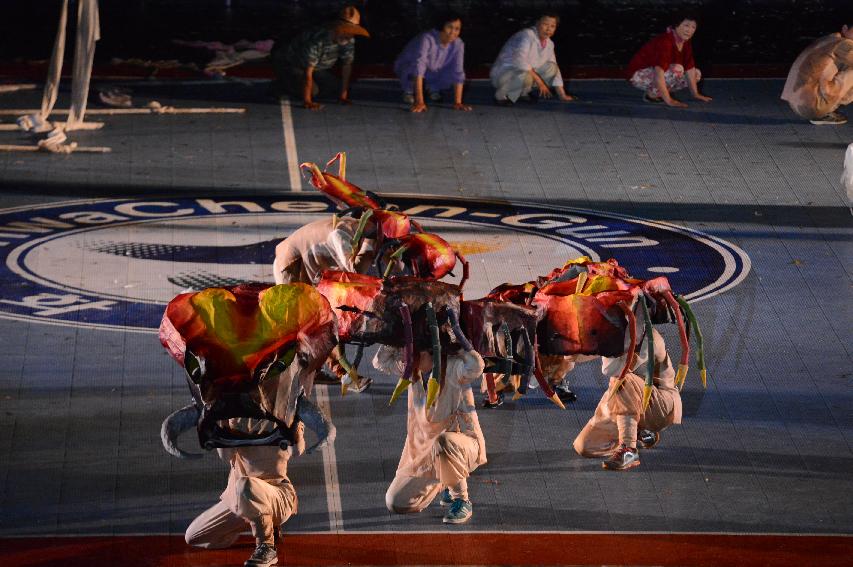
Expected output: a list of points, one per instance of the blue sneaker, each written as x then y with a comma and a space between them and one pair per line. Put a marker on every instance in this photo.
445, 499
459, 513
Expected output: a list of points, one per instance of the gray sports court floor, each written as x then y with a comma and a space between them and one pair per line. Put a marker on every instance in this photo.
765, 449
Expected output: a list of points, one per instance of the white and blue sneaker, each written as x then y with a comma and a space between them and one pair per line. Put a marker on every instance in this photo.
459, 513
445, 499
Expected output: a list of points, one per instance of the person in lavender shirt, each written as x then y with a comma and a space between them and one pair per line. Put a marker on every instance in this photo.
433, 61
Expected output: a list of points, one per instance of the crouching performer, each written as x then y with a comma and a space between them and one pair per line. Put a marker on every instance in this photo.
821, 79
258, 495
249, 353
619, 421
444, 442
324, 244
338, 242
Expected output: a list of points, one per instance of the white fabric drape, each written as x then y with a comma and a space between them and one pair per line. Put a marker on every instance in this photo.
88, 32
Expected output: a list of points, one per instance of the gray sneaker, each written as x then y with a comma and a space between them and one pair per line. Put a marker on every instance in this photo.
264, 556
622, 459
459, 513
445, 499
833, 118
408, 98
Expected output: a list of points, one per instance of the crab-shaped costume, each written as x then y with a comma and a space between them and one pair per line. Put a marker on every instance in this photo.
423, 315
249, 351
590, 308
347, 242
401, 312
352, 240
369, 234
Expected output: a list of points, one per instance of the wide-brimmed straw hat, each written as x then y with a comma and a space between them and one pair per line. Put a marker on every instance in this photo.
348, 23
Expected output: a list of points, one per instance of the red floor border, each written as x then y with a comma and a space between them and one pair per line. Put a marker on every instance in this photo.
471, 548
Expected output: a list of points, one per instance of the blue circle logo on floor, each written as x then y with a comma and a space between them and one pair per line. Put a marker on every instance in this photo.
114, 264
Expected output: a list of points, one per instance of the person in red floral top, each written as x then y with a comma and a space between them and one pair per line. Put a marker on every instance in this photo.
665, 64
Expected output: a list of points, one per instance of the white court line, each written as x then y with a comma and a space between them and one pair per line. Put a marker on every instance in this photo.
330, 467
290, 145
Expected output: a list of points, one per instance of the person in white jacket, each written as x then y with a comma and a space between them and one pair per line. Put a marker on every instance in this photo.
619, 421
444, 443
324, 244
526, 60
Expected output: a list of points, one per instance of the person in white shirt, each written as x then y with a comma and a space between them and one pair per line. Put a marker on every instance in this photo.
324, 244
526, 60
444, 443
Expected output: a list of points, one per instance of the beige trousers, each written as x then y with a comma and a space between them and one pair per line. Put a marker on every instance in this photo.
456, 459
247, 502
515, 83
600, 435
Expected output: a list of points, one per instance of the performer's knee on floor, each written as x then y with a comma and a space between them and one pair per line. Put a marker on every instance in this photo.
396, 505
590, 451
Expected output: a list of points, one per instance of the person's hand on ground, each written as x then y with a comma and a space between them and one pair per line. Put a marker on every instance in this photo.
703, 98
418, 107
544, 91
462, 107
311, 105
674, 103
